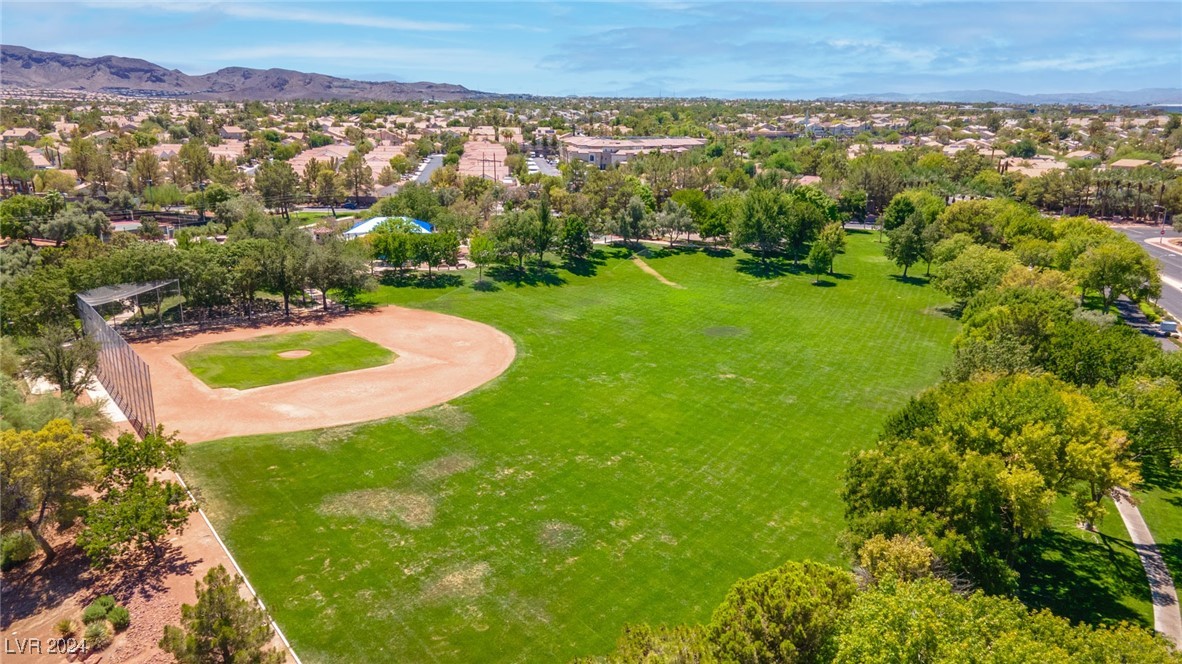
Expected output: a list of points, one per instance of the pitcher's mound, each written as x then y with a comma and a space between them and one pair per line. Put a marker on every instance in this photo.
294, 354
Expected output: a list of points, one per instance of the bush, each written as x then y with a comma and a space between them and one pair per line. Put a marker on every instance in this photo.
16, 548
97, 636
107, 602
120, 618
64, 628
94, 613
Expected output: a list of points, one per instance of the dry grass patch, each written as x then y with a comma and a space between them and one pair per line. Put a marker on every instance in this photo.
559, 535
447, 466
462, 583
414, 510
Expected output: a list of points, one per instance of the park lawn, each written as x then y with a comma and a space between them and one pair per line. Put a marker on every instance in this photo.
649, 447
256, 362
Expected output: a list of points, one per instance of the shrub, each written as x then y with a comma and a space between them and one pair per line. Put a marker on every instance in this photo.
94, 613
16, 548
107, 602
120, 618
64, 628
97, 636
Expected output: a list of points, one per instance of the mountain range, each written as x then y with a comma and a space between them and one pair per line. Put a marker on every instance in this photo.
1145, 97
22, 67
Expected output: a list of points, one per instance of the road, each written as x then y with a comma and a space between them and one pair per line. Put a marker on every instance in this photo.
436, 160
1171, 263
545, 167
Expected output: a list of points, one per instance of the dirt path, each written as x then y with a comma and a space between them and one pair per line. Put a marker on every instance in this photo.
649, 269
440, 357
1166, 618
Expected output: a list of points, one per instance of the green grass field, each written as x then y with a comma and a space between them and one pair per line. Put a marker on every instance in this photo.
649, 447
256, 362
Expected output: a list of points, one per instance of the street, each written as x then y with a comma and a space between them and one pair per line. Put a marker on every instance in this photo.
1171, 263
424, 177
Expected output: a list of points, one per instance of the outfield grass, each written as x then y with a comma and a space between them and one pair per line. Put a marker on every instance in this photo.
649, 447
256, 362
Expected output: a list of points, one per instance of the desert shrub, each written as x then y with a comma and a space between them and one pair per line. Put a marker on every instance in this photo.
107, 602
120, 618
64, 628
97, 636
94, 613
16, 548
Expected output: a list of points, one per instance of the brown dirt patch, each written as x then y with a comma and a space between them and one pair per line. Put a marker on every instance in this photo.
414, 510
440, 357
465, 582
294, 354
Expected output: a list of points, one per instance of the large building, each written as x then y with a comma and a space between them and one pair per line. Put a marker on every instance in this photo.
604, 152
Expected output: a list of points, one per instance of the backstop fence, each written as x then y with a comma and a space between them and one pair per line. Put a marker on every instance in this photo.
122, 372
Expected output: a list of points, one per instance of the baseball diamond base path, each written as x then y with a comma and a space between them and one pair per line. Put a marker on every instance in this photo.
440, 357
1166, 618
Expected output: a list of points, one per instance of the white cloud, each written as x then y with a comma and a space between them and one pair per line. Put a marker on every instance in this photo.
268, 11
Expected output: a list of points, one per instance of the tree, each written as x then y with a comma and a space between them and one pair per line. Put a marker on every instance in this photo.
575, 240
357, 175
977, 268
803, 222
41, 471
328, 189
196, 161
1085, 354
222, 627
633, 221
790, 614
927, 620
820, 260
284, 261
436, 249
21, 214
545, 228
482, 249
278, 184
905, 244
63, 359
761, 221
72, 222
975, 467
513, 232
833, 237
392, 241
1117, 268
674, 220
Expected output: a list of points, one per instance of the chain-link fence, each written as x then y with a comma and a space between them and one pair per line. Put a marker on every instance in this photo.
122, 372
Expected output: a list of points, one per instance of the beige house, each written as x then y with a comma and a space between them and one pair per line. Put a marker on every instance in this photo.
605, 152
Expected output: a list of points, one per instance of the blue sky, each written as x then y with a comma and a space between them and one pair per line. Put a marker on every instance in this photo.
687, 48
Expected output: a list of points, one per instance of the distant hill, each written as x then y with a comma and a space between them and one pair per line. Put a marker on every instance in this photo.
1146, 97
22, 67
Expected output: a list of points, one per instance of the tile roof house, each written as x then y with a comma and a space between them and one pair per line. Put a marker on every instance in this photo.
20, 134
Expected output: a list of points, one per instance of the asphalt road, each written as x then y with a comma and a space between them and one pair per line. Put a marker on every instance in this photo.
435, 162
1171, 264
545, 167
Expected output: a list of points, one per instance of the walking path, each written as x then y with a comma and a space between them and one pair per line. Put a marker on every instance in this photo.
1166, 618
649, 269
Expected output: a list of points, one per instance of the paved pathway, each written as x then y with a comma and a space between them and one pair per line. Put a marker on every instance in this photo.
1166, 618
